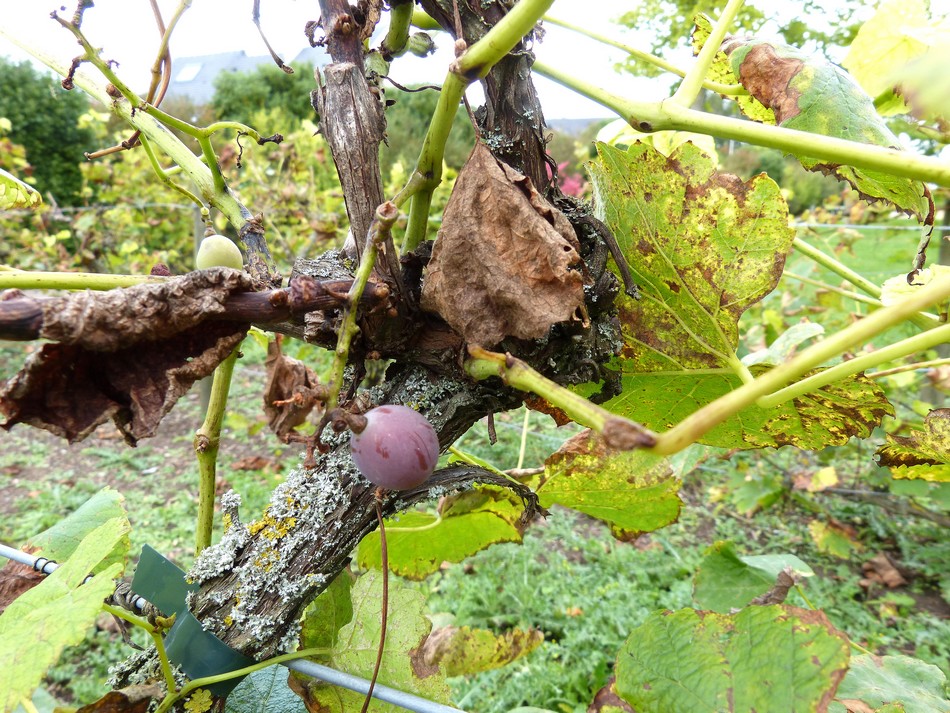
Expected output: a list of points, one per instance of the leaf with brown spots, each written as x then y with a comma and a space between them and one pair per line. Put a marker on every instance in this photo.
827, 416
505, 261
462, 650
769, 658
924, 454
127, 354
632, 491
703, 246
811, 94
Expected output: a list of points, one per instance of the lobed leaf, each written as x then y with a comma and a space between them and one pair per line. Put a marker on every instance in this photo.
420, 542
37, 626
403, 666
62, 539
703, 247
632, 491
770, 659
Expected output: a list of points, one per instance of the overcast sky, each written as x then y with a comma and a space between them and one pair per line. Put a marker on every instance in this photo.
126, 31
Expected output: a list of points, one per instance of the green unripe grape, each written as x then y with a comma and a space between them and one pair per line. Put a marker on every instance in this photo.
218, 251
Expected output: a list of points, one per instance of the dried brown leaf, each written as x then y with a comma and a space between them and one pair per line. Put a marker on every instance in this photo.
606, 700
134, 699
879, 569
503, 264
126, 354
114, 320
292, 391
15, 579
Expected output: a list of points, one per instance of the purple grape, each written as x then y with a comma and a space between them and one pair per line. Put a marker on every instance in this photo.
397, 450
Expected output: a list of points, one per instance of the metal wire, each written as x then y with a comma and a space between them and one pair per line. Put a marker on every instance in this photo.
402, 699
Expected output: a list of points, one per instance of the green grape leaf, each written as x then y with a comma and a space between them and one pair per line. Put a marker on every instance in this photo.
827, 416
817, 96
328, 613
726, 581
403, 666
461, 650
15, 194
632, 491
721, 71
420, 542
878, 680
39, 624
924, 454
891, 38
264, 691
770, 659
703, 247
62, 539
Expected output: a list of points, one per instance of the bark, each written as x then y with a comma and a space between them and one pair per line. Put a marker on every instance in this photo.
352, 122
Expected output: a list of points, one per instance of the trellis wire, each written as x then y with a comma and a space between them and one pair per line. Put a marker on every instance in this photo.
386, 694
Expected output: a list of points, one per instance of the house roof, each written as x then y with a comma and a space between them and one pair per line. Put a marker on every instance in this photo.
193, 77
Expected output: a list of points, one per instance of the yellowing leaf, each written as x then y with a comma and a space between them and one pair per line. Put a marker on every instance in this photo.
38, 625
815, 482
834, 538
924, 454
199, 701
721, 71
632, 491
462, 650
828, 416
703, 247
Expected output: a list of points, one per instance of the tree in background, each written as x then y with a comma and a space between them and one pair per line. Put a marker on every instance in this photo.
45, 121
669, 23
237, 95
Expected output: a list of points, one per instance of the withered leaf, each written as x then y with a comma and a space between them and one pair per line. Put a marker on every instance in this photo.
503, 261
292, 391
126, 354
134, 699
15, 579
